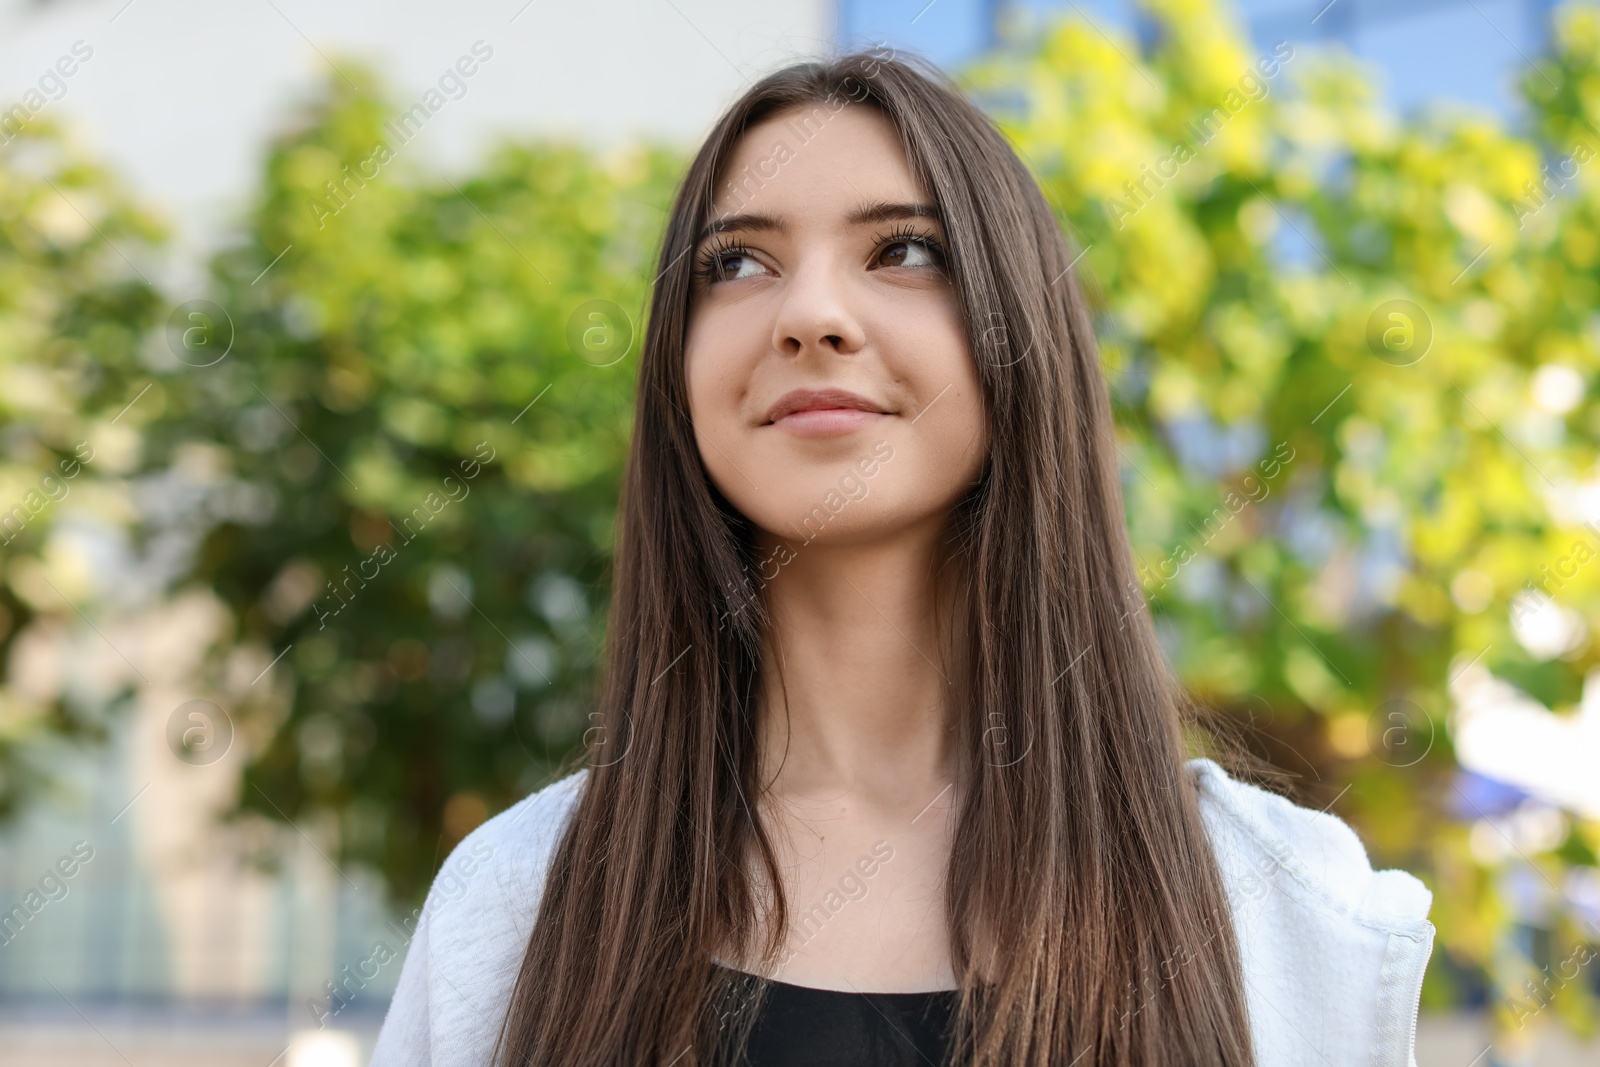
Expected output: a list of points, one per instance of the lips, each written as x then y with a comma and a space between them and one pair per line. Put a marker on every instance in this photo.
792, 403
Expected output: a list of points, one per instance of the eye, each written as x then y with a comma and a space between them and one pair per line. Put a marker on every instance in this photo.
910, 248
734, 265
727, 262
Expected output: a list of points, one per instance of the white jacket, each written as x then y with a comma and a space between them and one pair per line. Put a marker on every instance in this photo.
1333, 951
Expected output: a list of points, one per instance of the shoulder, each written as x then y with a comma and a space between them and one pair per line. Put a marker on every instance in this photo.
494, 860
1312, 853
1333, 951
471, 932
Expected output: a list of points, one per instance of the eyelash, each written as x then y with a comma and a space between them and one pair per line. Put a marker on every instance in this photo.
706, 262
905, 233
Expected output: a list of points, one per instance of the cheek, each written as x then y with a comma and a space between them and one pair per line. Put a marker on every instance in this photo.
945, 449
938, 450
946, 444
718, 379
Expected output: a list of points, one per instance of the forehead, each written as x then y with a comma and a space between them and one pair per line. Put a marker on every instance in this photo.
817, 156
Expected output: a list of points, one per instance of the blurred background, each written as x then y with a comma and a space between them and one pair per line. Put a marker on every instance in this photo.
317, 333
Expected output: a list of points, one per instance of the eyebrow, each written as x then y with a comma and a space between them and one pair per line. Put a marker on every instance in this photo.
878, 211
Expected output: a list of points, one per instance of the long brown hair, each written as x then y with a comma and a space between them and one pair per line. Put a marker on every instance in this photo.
1085, 908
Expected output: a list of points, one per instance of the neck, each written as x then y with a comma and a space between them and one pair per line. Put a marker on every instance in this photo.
857, 674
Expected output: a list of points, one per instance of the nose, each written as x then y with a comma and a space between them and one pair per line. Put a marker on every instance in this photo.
816, 315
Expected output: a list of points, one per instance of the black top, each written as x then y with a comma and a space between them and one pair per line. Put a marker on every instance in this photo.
798, 1026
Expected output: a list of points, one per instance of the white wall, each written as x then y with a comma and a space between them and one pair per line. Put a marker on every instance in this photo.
180, 95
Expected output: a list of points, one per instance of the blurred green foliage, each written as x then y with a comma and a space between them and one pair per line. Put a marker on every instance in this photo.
1335, 498
419, 381
75, 309
402, 475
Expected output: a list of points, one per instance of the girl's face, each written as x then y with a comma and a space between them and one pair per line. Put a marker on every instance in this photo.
831, 385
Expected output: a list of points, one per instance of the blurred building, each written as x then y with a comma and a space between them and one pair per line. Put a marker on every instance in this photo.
182, 95
1425, 51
